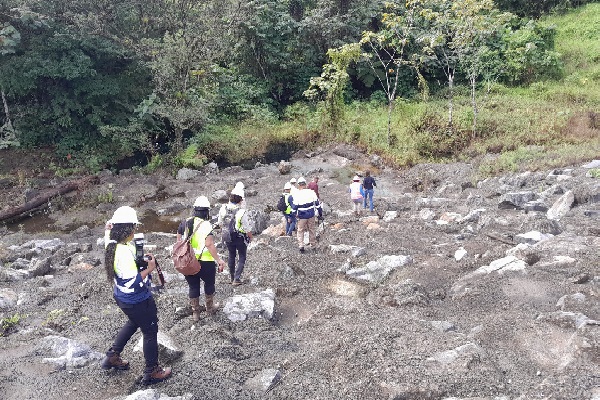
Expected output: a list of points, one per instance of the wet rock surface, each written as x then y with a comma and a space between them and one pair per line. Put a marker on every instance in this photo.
455, 288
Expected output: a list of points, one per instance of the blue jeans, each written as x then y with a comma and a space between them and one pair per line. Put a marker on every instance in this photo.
290, 224
369, 195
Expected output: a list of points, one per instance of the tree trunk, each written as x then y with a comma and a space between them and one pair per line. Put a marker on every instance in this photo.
5, 103
178, 145
42, 199
450, 98
474, 104
389, 121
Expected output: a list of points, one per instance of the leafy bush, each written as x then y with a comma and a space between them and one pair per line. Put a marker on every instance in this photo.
8, 324
435, 139
190, 158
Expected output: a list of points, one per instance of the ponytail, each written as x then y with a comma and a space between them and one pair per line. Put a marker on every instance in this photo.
118, 234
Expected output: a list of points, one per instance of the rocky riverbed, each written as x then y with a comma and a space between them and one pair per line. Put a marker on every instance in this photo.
456, 287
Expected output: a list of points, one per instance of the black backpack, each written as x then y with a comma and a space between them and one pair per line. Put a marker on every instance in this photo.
282, 204
229, 230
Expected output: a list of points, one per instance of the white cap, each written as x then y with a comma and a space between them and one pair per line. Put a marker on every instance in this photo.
240, 185
301, 180
287, 186
293, 180
124, 215
356, 178
202, 202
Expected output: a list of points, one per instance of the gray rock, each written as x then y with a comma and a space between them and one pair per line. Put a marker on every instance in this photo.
344, 248
40, 266
251, 305
220, 196
8, 298
532, 237
264, 380
592, 164
377, 271
443, 326
68, 354
562, 206
186, 174
463, 355
284, 167
516, 200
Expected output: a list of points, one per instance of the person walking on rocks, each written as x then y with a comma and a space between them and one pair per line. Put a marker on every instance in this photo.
203, 243
131, 291
294, 184
314, 186
288, 214
306, 205
368, 184
236, 234
356, 194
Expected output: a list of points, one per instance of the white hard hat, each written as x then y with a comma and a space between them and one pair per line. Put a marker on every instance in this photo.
287, 186
238, 190
202, 202
240, 185
124, 215
293, 180
301, 180
356, 178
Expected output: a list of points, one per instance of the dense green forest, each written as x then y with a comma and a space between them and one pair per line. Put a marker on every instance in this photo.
183, 82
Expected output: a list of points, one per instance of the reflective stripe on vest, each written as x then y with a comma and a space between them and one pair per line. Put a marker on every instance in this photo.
125, 267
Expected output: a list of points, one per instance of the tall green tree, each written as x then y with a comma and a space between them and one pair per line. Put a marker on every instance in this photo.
392, 49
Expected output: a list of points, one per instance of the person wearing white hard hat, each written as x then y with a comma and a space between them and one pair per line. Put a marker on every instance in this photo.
131, 290
199, 228
357, 194
239, 191
288, 214
236, 233
306, 205
294, 184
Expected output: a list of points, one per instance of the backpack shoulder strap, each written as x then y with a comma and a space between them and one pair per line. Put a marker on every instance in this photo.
189, 226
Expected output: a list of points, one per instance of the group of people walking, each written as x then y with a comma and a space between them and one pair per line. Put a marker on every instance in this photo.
131, 279
361, 192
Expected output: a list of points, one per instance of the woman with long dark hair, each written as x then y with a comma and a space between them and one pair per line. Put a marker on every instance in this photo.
131, 290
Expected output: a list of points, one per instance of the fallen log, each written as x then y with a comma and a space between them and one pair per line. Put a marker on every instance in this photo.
42, 199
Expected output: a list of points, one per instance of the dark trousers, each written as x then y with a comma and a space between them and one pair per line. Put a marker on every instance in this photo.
207, 274
236, 247
143, 316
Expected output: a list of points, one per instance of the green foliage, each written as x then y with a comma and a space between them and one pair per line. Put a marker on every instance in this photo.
595, 172
8, 324
156, 162
434, 139
535, 9
190, 158
529, 54
330, 86
64, 88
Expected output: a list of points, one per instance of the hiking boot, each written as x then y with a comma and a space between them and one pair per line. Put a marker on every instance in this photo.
113, 360
211, 306
195, 304
237, 282
302, 250
155, 374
